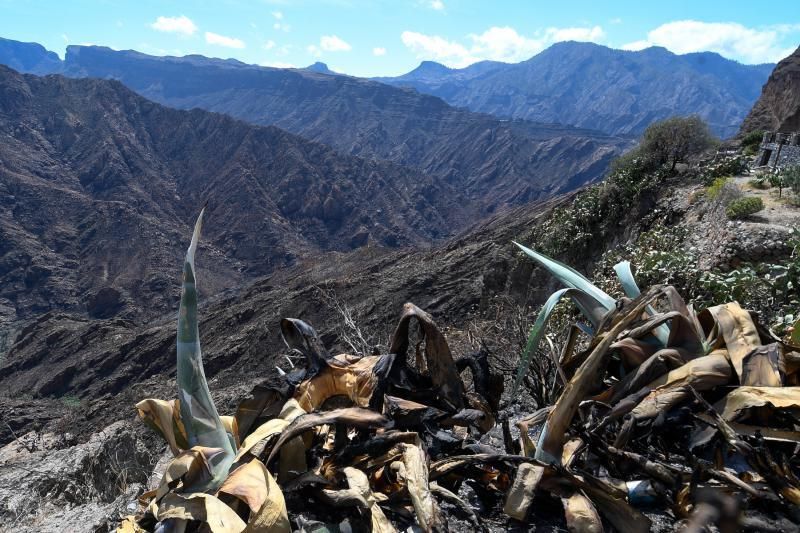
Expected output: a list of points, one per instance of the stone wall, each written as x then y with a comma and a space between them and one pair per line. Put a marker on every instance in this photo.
779, 150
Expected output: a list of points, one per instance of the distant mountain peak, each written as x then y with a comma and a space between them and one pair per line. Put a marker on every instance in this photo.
320, 68
432, 65
590, 85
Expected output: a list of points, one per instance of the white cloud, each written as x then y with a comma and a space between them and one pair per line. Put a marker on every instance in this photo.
438, 5
616, 20
437, 48
592, 35
504, 44
496, 43
332, 43
314, 50
280, 24
729, 39
635, 46
221, 40
269, 45
379, 51
278, 64
182, 25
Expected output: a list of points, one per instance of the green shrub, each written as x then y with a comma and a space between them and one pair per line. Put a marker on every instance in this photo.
716, 186
744, 207
595, 213
659, 255
675, 140
663, 255
729, 166
753, 139
574, 230
759, 183
750, 151
745, 284
790, 177
73, 402
776, 180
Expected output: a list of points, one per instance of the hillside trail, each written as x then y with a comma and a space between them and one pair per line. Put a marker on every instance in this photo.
778, 211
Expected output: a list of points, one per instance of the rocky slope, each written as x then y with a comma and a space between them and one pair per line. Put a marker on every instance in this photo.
110, 363
591, 86
98, 187
499, 161
778, 107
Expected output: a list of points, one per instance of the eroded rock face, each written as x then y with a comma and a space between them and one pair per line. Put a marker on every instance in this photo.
778, 108
105, 303
99, 187
49, 483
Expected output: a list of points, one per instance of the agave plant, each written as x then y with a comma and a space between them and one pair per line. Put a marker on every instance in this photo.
592, 301
677, 346
207, 465
204, 427
222, 473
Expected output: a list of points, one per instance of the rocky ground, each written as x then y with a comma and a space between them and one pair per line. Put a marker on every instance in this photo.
51, 483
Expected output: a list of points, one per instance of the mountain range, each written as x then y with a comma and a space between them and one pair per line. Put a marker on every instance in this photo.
98, 185
592, 86
500, 161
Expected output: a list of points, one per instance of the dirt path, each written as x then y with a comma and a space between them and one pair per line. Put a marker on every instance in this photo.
777, 211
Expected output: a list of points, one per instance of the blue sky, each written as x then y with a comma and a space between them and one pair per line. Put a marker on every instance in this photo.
383, 37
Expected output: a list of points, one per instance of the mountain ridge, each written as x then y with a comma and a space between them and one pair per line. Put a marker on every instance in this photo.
590, 85
509, 162
97, 184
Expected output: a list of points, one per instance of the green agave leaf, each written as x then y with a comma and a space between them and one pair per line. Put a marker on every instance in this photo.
198, 412
538, 329
591, 300
631, 290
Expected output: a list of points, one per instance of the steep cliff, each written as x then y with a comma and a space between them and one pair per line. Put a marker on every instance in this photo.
778, 108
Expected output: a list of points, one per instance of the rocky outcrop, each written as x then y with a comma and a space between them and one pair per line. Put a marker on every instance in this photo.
320, 68
29, 57
50, 483
592, 86
778, 108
